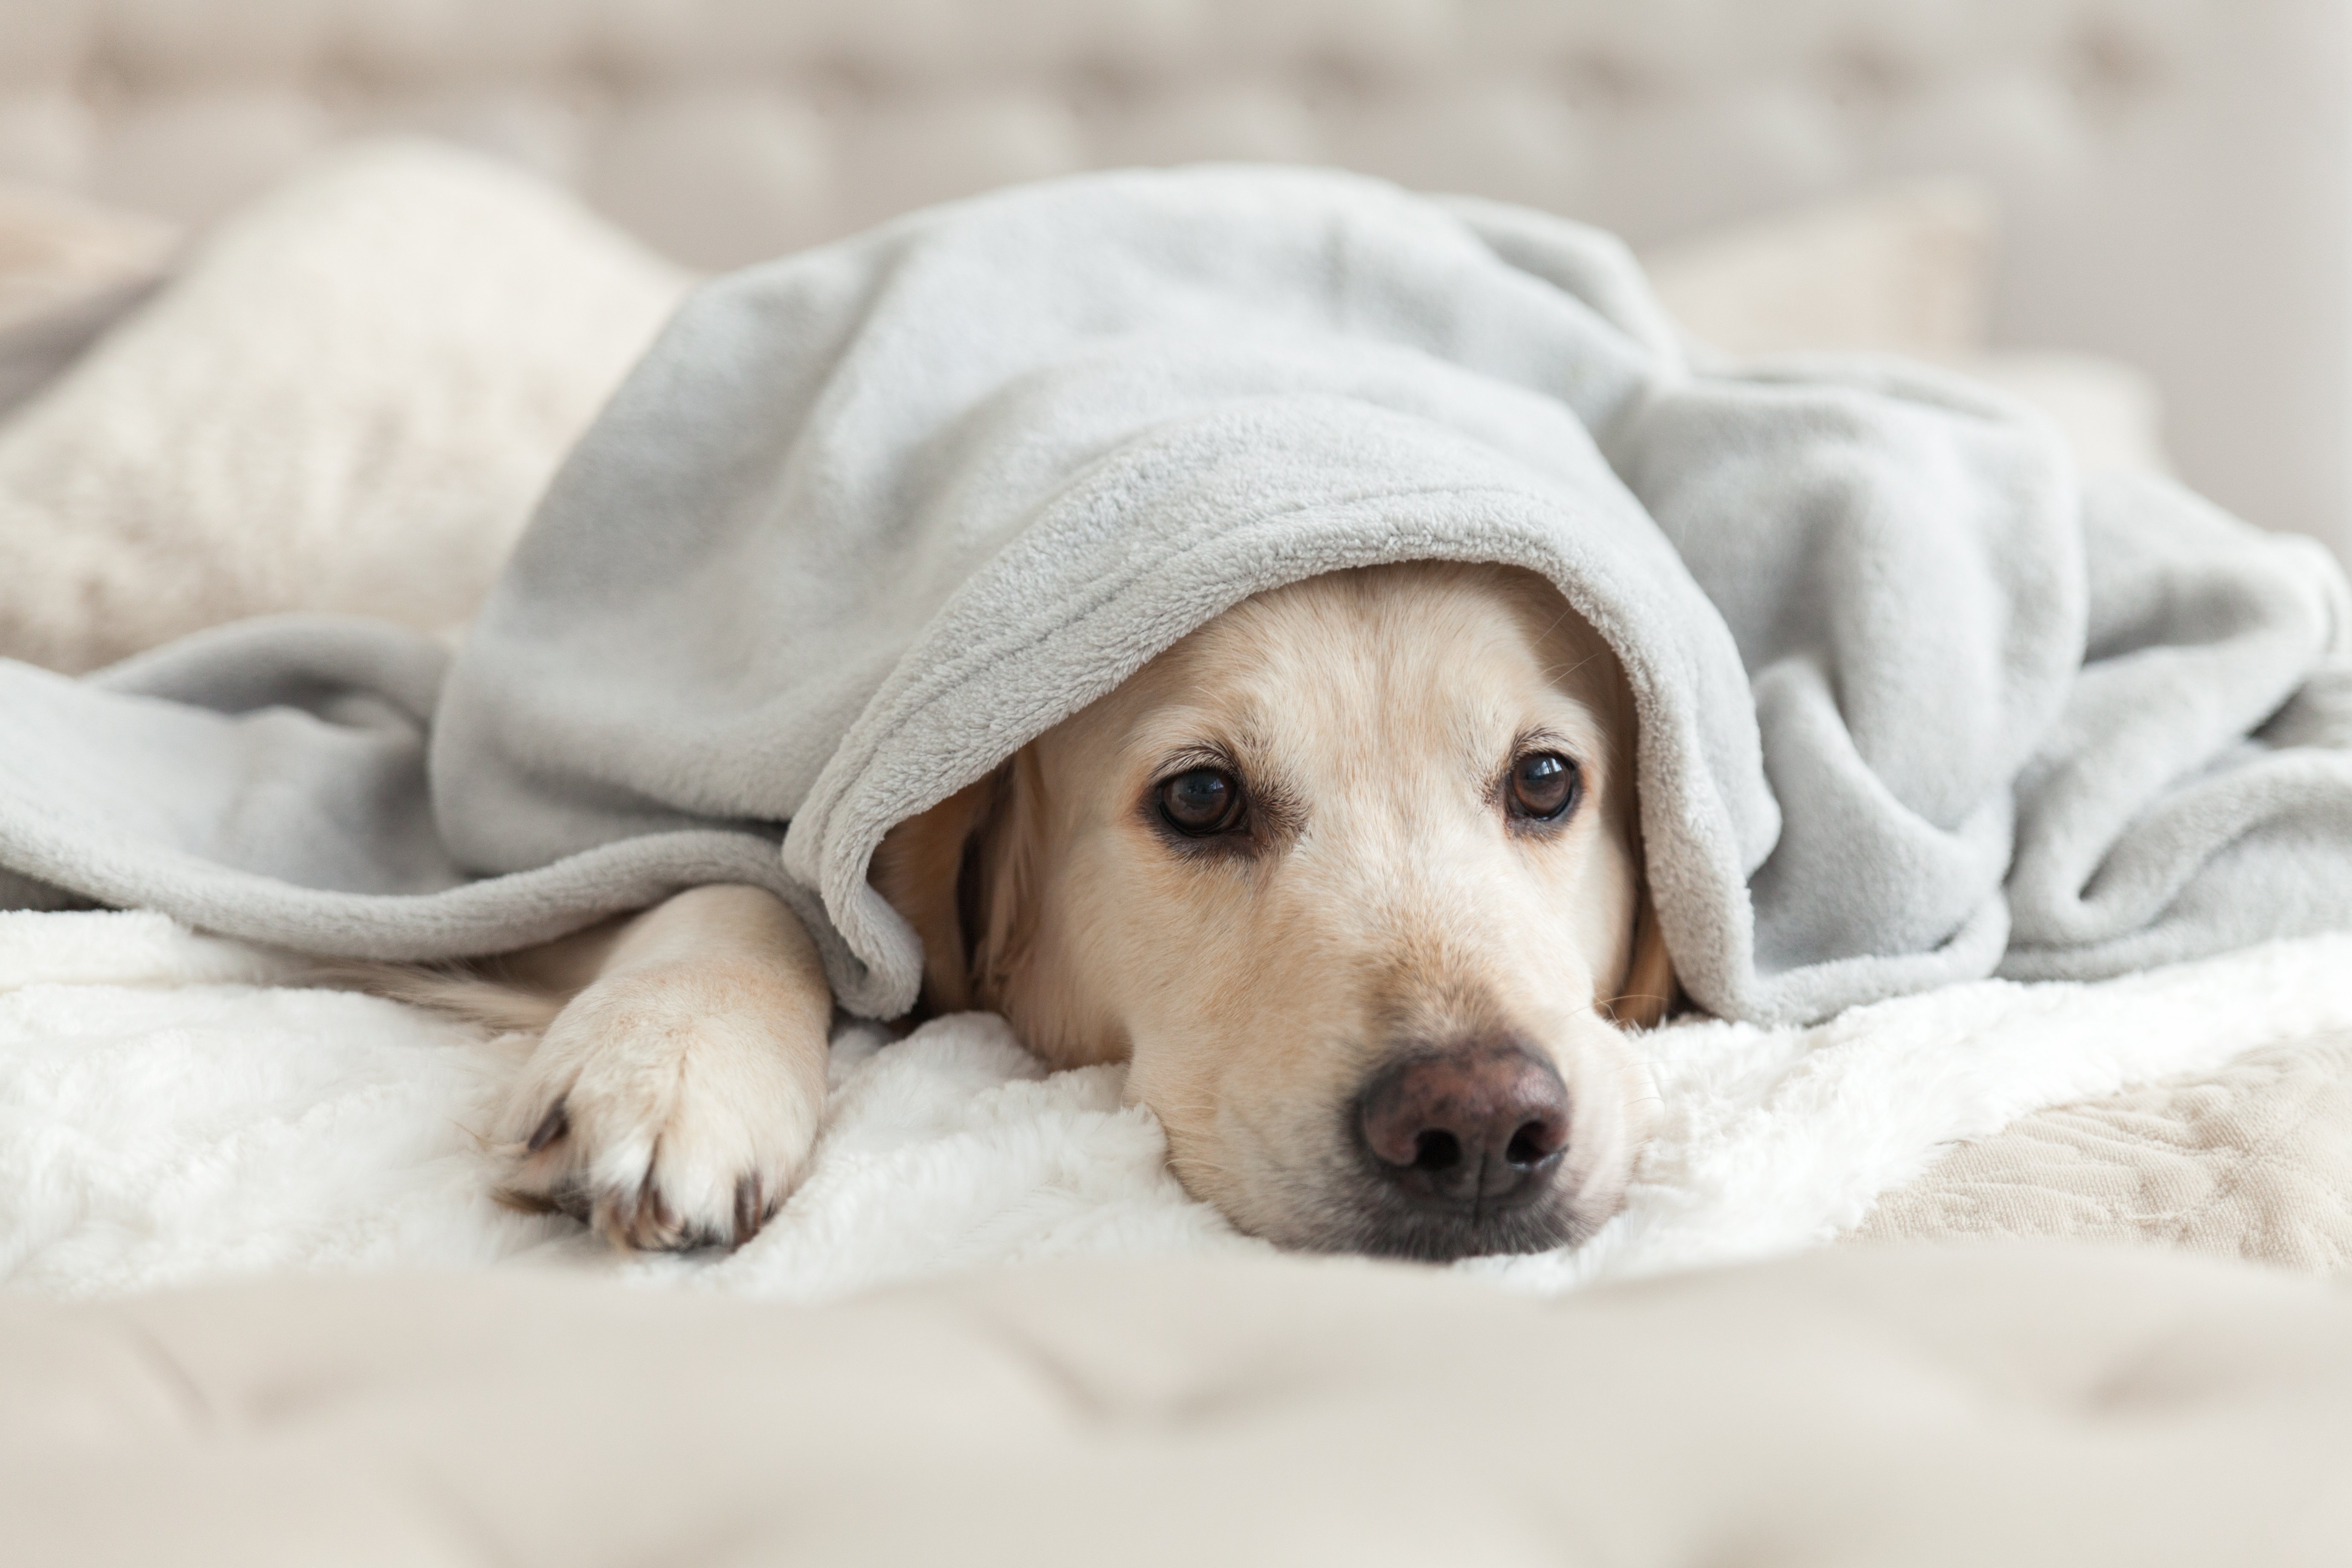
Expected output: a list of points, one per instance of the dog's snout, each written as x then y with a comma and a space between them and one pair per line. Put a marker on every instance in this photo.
1469, 1129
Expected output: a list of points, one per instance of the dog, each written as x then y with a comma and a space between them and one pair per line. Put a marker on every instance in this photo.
1349, 876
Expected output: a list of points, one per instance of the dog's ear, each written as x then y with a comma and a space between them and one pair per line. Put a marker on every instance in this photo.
915, 870
1649, 991
964, 875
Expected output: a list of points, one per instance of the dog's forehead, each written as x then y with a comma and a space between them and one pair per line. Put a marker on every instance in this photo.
1450, 660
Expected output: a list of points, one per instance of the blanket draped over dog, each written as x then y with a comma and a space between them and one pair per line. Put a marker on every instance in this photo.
1918, 704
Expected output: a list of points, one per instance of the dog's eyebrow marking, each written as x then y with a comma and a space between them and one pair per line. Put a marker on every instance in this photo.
1593, 741
1186, 759
1542, 738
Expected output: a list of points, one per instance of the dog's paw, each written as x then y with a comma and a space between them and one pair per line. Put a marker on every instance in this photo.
670, 1107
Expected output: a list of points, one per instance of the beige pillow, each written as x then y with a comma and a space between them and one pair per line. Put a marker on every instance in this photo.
2110, 413
1905, 269
348, 397
67, 271
56, 251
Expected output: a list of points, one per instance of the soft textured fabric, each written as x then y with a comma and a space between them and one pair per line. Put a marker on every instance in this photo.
1929, 1408
67, 271
1904, 269
56, 252
348, 398
869, 518
177, 1108
2253, 1162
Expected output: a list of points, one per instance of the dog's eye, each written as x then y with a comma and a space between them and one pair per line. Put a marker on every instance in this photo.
1544, 786
1200, 802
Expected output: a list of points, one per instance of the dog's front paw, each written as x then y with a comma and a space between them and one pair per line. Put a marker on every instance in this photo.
670, 1107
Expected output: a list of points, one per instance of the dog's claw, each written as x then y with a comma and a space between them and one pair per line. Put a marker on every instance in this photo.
551, 1126
751, 1211
637, 1219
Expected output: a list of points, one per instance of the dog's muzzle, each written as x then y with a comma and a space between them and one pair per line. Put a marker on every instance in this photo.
1464, 1147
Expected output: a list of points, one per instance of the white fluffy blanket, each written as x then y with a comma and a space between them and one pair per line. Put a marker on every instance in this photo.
168, 1113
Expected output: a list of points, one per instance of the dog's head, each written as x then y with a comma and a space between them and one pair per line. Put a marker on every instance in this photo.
1351, 876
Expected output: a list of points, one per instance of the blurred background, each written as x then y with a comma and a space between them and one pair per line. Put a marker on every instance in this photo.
2160, 191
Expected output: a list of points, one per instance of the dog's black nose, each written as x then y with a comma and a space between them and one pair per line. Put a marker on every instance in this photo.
1467, 1130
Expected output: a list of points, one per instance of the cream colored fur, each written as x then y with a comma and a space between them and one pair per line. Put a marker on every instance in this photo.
1385, 901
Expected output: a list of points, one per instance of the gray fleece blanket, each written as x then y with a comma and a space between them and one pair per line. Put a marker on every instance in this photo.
1918, 704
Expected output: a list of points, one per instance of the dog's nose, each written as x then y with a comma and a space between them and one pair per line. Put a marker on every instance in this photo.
1467, 1129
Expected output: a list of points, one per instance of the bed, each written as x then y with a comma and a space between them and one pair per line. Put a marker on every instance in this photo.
2024, 195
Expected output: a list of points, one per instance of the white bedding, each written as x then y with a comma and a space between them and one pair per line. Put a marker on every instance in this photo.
167, 1115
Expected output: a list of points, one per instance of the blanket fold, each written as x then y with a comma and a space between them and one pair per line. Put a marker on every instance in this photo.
1918, 704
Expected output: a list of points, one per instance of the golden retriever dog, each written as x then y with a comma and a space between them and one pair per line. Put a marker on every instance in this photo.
1349, 877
